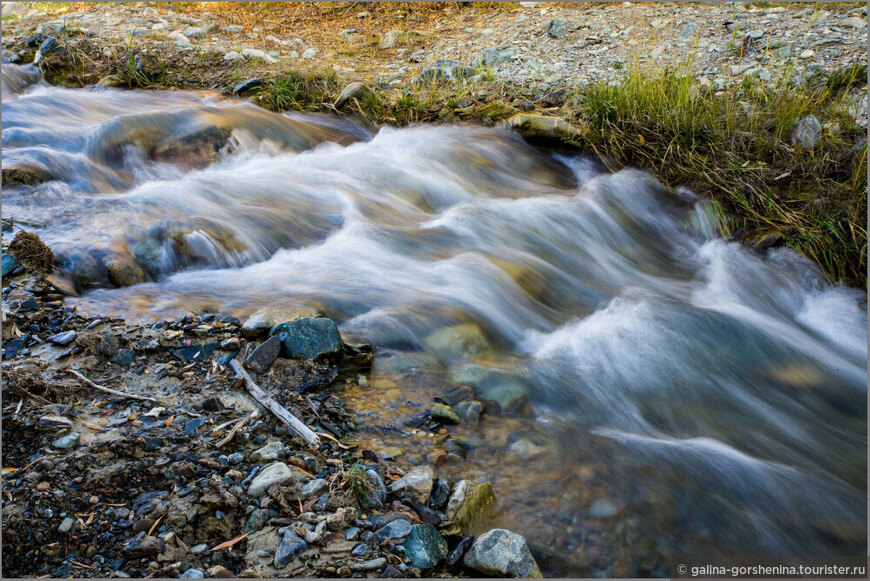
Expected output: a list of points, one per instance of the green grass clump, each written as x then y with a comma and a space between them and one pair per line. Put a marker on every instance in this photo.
733, 146
299, 91
357, 484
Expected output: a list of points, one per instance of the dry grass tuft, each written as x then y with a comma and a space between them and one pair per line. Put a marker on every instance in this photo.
31, 252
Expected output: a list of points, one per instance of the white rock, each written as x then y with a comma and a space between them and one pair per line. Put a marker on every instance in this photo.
232, 56
417, 484
252, 53
275, 473
309, 53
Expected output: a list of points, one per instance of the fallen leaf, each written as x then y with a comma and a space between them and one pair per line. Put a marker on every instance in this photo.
228, 544
154, 526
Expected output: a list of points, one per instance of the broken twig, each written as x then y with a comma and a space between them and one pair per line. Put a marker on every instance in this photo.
273, 406
105, 389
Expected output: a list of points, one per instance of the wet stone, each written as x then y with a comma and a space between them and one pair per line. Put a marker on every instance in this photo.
236, 457
64, 338
195, 352
312, 487
444, 413
378, 495
9, 264
66, 441
212, 404
66, 526
424, 546
308, 338
264, 355
440, 493
231, 344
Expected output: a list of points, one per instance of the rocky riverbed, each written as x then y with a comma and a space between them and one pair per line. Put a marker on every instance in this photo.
133, 451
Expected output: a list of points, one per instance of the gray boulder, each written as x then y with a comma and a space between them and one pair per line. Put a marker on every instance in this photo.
806, 132
502, 553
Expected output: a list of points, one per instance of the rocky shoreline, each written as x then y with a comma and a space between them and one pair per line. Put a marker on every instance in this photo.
134, 451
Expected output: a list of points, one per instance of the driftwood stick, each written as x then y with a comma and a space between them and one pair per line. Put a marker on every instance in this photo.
105, 389
273, 406
243, 421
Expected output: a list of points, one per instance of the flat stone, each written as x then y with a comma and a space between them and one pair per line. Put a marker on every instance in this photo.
67, 441
424, 546
262, 320
394, 530
66, 526
252, 53
275, 473
372, 565
64, 338
531, 125
557, 28
123, 356
9, 264
290, 546
417, 484
264, 355
312, 487
54, 423
195, 352
444, 413
502, 553
269, 453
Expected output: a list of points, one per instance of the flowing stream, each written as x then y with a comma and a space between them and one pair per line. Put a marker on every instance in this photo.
662, 391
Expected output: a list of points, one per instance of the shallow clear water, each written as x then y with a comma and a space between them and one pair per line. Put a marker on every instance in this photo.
669, 392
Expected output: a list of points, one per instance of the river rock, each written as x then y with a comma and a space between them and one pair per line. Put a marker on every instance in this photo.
275, 473
54, 423
262, 320
557, 28
469, 502
445, 69
66, 526
459, 343
502, 391
371, 565
493, 57
308, 338
502, 553
806, 132
394, 530
424, 546
352, 91
390, 39
291, 545
193, 573
309, 53
179, 38
64, 338
440, 493
312, 487
125, 271
123, 356
417, 484
194, 32
444, 413
142, 547
602, 508
269, 453
378, 490
67, 441
252, 53
264, 355
233, 56
544, 126
9, 264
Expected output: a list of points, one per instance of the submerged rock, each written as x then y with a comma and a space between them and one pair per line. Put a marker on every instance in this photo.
502, 553
459, 343
308, 338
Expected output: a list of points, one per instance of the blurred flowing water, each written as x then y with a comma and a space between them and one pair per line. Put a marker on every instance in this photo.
667, 392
